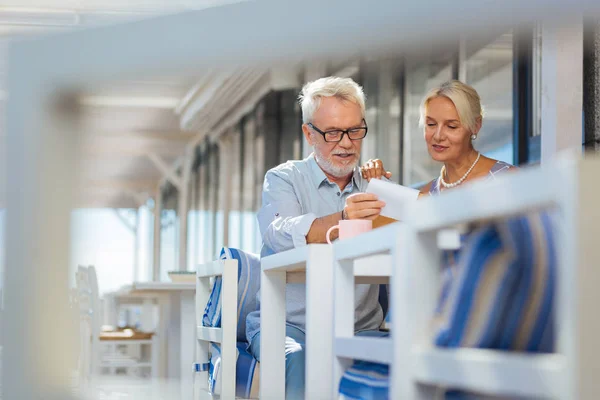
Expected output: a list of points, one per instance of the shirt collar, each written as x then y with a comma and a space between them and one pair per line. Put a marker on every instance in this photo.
318, 176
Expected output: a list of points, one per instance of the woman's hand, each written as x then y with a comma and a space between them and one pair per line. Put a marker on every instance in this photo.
363, 206
374, 169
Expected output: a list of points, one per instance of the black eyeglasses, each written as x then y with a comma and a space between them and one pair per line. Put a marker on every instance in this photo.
336, 135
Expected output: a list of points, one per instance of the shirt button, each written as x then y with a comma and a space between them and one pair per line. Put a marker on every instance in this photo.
338, 193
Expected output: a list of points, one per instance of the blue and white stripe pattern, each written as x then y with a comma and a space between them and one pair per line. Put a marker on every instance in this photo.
365, 380
502, 294
248, 286
245, 371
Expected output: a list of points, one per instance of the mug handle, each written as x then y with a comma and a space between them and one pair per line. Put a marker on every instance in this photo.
329, 232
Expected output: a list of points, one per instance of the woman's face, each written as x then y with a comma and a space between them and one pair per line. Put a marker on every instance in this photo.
447, 139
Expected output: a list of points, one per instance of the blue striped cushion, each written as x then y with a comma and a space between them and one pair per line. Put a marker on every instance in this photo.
500, 297
245, 369
365, 380
502, 294
248, 286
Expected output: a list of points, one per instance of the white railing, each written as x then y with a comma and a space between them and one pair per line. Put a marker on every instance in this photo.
225, 335
410, 253
310, 264
564, 187
367, 258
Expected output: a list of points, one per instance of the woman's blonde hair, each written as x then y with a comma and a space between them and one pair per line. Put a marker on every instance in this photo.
465, 99
343, 88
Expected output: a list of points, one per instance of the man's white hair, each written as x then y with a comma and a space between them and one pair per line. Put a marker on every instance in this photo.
342, 88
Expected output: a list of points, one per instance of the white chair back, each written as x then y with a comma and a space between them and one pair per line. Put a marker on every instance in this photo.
89, 322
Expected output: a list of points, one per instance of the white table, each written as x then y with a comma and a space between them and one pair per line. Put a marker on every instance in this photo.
312, 264
177, 327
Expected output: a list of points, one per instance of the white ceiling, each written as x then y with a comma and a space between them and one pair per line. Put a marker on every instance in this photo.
112, 5
122, 122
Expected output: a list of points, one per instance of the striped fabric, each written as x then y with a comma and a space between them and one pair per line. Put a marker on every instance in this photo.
502, 294
246, 370
499, 295
365, 380
248, 286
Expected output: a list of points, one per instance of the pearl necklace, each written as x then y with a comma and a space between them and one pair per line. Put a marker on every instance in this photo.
458, 182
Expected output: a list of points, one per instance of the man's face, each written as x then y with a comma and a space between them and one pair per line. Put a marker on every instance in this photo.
337, 159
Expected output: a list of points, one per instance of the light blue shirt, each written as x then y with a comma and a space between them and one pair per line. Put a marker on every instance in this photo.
294, 195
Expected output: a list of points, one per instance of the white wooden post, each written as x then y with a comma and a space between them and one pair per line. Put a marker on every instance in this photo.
38, 344
164, 311
156, 238
359, 260
413, 292
562, 87
578, 326
182, 212
343, 313
136, 246
184, 207
226, 335
272, 336
147, 323
187, 344
224, 196
202, 347
229, 325
316, 261
319, 321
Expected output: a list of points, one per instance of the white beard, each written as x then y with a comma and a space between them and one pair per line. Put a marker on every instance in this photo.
328, 166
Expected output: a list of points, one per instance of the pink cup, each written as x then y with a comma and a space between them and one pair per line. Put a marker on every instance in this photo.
350, 228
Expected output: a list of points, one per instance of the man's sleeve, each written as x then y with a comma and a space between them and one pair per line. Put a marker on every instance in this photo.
282, 224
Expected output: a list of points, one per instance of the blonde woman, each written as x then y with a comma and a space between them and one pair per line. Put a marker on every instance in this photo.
452, 116
484, 275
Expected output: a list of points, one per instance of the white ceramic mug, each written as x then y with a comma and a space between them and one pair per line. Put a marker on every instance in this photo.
350, 227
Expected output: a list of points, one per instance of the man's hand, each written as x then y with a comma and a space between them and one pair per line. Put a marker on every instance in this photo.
374, 169
363, 206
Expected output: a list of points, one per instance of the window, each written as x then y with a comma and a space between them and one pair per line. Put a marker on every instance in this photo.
209, 188
382, 81
169, 232
290, 125
231, 172
489, 69
202, 207
193, 216
259, 167
104, 238
249, 167
486, 63
217, 194
534, 139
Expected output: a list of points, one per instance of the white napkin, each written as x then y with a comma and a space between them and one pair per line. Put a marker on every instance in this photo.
395, 197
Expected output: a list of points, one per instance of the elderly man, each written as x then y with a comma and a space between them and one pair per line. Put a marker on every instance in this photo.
303, 199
